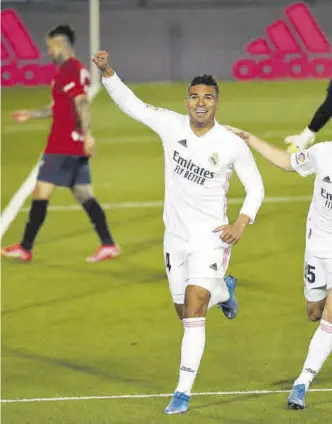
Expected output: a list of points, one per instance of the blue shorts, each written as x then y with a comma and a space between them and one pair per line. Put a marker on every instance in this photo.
64, 171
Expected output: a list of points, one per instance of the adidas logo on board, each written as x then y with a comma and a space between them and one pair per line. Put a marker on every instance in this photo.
293, 47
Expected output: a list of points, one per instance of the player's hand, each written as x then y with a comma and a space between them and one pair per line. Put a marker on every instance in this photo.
301, 141
240, 133
100, 59
89, 145
230, 233
21, 115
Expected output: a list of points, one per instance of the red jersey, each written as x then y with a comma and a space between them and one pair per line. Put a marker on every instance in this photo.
71, 80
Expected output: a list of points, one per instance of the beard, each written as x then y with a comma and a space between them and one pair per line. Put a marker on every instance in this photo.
198, 123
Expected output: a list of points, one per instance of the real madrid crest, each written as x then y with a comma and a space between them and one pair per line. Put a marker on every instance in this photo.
214, 158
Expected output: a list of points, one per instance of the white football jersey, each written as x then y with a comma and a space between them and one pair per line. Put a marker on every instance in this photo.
197, 169
318, 160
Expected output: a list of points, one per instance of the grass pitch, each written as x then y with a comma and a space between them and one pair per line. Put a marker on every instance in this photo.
75, 329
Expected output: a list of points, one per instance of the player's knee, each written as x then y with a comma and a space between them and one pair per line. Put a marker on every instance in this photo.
43, 190
195, 311
196, 301
82, 193
314, 314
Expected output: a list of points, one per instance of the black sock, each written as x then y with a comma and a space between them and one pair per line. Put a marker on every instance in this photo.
37, 215
98, 219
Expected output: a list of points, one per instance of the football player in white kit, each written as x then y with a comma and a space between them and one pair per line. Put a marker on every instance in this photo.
318, 254
200, 155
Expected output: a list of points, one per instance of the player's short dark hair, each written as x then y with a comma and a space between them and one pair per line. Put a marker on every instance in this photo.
64, 30
205, 79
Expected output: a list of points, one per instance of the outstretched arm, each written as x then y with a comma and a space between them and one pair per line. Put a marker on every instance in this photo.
24, 115
155, 118
274, 154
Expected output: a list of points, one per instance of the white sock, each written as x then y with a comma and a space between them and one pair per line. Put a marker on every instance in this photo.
192, 349
219, 294
319, 349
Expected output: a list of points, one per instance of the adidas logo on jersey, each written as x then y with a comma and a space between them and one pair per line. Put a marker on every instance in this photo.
214, 266
183, 143
293, 48
327, 180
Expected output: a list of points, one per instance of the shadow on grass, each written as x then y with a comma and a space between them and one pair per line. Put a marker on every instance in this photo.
73, 366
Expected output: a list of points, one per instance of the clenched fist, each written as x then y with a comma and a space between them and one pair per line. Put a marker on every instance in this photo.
100, 59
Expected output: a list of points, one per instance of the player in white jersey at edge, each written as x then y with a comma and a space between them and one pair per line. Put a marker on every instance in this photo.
200, 155
318, 254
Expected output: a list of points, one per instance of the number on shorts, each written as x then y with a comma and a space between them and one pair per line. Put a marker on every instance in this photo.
309, 273
168, 264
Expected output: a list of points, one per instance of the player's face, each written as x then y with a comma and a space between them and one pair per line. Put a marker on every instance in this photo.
55, 49
202, 104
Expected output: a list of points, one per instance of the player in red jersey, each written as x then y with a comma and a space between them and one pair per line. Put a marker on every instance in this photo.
70, 144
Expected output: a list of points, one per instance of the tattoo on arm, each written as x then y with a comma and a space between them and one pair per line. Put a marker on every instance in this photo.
44, 112
83, 110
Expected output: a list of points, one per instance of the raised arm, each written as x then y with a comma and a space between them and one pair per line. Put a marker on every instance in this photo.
321, 116
155, 118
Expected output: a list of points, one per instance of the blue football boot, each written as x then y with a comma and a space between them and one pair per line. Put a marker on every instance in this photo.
230, 307
178, 405
296, 398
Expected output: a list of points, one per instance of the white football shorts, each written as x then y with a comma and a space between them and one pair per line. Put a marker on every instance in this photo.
201, 264
317, 277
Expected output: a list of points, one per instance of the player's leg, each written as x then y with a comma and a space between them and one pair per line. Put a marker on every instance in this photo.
192, 347
222, 295
230, 305
176, 270
40, 197
203, 280
319, 275
82, 191
315, 309
174, 259
319, 350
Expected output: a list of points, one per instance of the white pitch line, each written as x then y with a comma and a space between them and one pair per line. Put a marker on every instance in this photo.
153, 138
157, 395
32, 127
159, 203
17, 201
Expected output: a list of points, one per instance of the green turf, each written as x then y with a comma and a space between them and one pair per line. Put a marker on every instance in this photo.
76, 329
